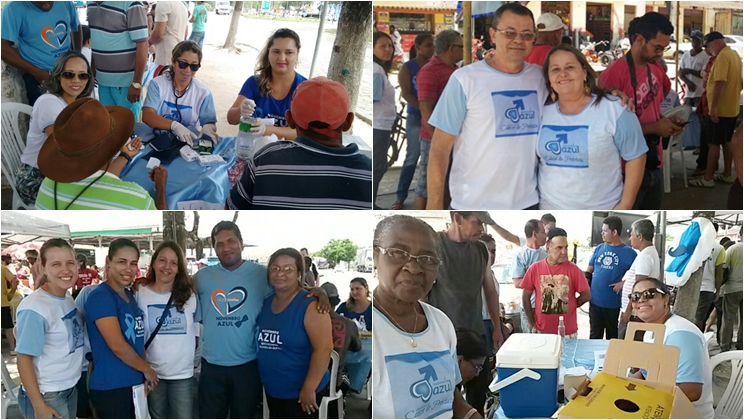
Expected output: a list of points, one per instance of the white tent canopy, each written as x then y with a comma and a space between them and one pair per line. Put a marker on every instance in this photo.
18, 228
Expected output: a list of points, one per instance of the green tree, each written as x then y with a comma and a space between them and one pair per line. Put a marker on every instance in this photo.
338, 250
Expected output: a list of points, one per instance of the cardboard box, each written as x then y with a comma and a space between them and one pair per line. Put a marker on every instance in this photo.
618, 397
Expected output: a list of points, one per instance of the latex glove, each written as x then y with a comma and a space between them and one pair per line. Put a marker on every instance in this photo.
183, 133
258, 130
247, 107
211, 131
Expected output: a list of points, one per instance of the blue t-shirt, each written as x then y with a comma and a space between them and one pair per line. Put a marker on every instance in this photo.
413, 69
230, 303
110, 372
270, 107
610, 264
366, 315
41, 36
284, 348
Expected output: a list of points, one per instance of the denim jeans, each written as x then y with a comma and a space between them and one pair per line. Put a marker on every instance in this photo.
651, 192
65, 402
413, 150
380, 144
197, 37
172, 399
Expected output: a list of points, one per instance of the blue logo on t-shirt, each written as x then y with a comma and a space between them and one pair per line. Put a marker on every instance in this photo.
424, 382
134, 328
608, 260
55, 37
174, 322
74, 330
564, 146
517, 112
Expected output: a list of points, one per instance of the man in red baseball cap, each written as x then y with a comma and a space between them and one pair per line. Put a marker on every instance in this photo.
315, 171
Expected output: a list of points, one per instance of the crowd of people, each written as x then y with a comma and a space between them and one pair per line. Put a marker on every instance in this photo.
101, 95
548, 132
201, 346
437, 288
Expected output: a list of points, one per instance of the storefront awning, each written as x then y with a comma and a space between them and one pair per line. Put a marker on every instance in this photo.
416, 6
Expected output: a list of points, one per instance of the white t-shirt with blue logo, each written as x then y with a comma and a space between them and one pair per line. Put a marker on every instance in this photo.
496, 118
195, 105
414, 382
580, 155
50, 330
230, 303
171, 352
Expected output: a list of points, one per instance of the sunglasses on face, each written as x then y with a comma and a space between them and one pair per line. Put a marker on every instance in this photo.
647, 294
287, 269
183, 65
70, 75
510, 34
399, 256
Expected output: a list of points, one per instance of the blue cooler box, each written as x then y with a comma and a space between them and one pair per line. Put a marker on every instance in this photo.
527, 375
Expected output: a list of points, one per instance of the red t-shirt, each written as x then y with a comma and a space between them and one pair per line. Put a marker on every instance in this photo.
617, 76
85, 277
430, 83
538, 54
555, 294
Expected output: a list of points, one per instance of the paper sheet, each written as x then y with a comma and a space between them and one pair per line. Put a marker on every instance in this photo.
140, 402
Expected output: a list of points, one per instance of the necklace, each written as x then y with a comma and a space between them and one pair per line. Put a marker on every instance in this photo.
415, 322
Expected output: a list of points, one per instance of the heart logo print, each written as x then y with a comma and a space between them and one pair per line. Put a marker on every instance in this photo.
227, 303
57, 36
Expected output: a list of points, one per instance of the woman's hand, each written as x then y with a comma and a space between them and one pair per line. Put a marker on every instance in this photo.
132, 148
151, 378
211, 131
46, 412
259, 129
183, 133
307, 400
247, 107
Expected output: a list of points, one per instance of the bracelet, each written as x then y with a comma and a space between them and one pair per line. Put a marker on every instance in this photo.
127, 157
471, 413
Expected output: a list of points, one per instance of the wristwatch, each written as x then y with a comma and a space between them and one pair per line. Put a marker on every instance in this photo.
137, 85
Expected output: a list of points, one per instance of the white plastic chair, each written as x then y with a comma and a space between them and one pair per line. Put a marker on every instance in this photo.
334, 394
675, 145
12, 146
730, 405
10, 391
708, 337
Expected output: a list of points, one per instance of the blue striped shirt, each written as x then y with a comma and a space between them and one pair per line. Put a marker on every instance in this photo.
115, 29
304, 175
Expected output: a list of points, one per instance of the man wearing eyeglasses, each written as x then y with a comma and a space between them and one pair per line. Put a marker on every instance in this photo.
646, 265
118, 39
463, 273
647, 85
488, 119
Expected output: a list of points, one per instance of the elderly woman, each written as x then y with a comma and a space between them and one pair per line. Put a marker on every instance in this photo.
294, 342
70, 80
585, 137
169, 295
650, 300
413, 337
161, 109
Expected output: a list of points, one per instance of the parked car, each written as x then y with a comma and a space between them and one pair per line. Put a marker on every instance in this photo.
736, 42
223, 8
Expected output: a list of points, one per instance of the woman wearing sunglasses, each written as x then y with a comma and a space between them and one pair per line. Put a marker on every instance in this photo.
294, 342
70, 80
651, 301
177, 101
415, 350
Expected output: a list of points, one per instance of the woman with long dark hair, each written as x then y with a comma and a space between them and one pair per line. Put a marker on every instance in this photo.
268, 93
168, 301
383, 107
358, 306
71, 79
177, 101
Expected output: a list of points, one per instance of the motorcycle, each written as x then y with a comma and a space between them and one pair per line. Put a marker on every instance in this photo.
608, 57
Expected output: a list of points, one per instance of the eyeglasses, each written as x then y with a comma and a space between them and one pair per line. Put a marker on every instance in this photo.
183, 65
70, 75
510, 34
646, 294
457, 45
478, 368
287, 269
398, 256
659, 48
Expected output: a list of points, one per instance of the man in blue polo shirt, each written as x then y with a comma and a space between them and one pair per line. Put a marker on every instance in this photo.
41, 31
316, 171
608, 265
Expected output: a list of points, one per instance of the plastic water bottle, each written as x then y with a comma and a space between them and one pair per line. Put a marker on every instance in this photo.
362, 323
245, 141
562, 331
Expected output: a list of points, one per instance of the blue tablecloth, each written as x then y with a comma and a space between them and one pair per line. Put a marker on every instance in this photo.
186, 180
576, 352
359, 364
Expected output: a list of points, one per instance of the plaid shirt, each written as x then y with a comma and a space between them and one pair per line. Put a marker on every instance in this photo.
430, 82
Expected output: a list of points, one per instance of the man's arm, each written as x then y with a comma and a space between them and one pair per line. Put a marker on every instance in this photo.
426, 108
508, 236
140, 64
13, 58
77, 39
527, 306
583, 298
492, 303
158, 32
441, 148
